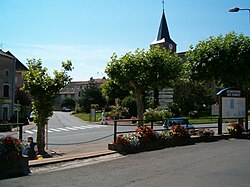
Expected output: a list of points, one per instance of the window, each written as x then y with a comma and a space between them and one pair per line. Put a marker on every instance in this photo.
6, 91
5, 113
6, 73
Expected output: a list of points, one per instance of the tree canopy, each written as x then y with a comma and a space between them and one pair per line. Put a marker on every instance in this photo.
43, 88
223, 60
112, 91
144, 70
90, 95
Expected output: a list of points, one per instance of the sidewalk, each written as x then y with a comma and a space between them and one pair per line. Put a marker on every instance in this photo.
67, 153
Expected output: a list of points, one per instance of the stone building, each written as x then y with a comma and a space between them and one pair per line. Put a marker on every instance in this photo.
73, 91
10, 80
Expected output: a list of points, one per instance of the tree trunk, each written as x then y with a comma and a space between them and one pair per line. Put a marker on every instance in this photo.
41, 135
156, 98
140, 106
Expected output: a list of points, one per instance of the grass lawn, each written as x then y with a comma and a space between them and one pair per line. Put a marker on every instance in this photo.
204, 119
86, 117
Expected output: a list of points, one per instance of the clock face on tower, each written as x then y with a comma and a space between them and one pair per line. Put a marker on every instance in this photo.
170, 46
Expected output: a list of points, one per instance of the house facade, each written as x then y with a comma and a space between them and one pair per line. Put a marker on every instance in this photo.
10, 78
7, 86
73, 91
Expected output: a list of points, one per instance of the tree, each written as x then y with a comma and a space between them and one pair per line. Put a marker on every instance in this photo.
223, 60
92, 94
44, 90
24, 100
144, 70
191, 96
166, 69
112, 91
130, 103
68, 102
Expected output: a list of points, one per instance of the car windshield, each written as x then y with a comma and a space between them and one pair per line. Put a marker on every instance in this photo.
178, 121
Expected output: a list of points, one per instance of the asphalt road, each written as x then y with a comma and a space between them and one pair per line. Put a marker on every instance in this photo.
68, 134
225, 163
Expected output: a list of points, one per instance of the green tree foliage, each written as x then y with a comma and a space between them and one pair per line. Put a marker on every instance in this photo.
144, 70
68, 102
223, 59
92, 94
157, 114
130, 103
43, 88
24, 100
191, 96
112, 91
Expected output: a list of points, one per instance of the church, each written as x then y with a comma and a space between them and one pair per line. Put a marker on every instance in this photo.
164, 41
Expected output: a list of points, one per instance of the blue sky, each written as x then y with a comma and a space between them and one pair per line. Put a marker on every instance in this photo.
88, 32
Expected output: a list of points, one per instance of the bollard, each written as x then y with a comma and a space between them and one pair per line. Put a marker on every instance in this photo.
115, 130
20, 131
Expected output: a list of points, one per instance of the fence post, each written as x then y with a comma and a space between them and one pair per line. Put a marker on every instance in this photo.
152, 124
115, 130
20, 131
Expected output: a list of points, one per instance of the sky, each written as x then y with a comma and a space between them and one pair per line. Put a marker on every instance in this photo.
88, 32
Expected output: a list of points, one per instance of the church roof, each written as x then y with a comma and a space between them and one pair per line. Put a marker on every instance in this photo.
163, 30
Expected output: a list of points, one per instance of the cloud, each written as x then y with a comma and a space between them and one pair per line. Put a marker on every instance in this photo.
88, 61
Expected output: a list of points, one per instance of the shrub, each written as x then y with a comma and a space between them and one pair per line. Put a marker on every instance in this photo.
235, 128
9, 144
205, 132
5, 128
131, 140
179, 132
130, 103
158, 114
117, 112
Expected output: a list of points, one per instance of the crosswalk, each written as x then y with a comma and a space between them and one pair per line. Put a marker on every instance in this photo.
66, 129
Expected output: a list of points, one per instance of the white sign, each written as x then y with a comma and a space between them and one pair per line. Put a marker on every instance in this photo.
215, 110
233, 107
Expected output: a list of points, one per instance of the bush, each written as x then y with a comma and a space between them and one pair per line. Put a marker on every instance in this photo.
158, 114
5, 128
179, 132
117, 112
130, 103
235, 129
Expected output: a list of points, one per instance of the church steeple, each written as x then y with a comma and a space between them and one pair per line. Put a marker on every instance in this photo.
163, 38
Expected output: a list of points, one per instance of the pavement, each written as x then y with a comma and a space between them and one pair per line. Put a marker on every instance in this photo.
67, 153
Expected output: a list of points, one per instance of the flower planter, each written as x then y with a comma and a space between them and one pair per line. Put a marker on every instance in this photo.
14, 166
162, 143
123, 149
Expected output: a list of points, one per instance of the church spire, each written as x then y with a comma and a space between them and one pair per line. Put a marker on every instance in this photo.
163, 38
163, 2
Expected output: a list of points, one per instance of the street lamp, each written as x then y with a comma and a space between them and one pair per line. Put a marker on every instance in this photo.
236, 9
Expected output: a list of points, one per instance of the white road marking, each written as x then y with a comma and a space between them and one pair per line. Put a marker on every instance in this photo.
30, 132
74, 128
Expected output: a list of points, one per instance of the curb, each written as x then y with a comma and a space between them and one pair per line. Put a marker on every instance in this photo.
37, 163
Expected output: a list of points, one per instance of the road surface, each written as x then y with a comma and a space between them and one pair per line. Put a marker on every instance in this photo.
224, 163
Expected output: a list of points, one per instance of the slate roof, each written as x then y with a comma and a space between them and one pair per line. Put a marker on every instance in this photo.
74, 86
19, 65
163, 30
6, 55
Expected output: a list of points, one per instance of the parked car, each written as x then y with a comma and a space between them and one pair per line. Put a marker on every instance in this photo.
181, 121
2, 136
66, 109
31, 117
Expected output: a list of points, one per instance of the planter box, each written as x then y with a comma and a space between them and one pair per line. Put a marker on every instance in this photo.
14, 166
123, 149
171, 143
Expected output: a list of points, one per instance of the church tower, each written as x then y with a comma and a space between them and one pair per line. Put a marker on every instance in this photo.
163, 38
